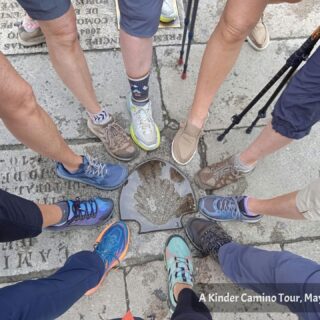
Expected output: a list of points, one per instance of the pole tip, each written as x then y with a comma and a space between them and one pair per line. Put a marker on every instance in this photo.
248, 130
180, 61
184, 75
220, 138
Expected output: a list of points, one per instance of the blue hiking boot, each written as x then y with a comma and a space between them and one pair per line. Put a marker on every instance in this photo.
82, 213
179, 266
226, 209
104, 176
112, 246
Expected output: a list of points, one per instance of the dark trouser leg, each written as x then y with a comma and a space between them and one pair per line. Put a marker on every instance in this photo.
19, 218
273, 272
50, 297
189, 307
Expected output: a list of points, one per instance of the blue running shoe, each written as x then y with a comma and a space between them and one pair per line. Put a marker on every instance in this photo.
226, 209
179, 266
112, 246
82, 213
104, 176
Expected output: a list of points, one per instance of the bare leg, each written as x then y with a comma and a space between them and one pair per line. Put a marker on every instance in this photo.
68, 59
236, 22
28, 122
51, 214
266, 143
283, 206
137, 54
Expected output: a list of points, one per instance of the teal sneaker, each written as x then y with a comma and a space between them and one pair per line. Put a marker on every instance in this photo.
179, 266
112, 246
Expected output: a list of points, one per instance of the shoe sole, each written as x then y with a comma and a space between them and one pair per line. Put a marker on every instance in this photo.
165, 265
91, 184
141, 144
167, 20
33, 43
228, 220
109, 151
174, 158
114, 264
254, 46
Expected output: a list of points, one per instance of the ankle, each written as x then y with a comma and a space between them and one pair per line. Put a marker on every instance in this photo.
178, 288
247, 160
75, 165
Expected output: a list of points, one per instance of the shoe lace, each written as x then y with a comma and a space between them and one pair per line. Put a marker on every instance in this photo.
228, 205
212, 242
96, 168
144, 120
116, 135
182, 268
225, 169
89, 211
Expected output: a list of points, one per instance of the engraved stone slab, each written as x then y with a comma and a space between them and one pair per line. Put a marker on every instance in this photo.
288, 170
110, 83
250, 74
97, 27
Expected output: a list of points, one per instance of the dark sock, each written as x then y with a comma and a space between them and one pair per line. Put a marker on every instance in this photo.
63, 205
140, 90
243, 206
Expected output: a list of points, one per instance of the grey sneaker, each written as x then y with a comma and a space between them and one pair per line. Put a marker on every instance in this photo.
29, 33
219, 175
144, 131
168, 13
259, 38
117, 142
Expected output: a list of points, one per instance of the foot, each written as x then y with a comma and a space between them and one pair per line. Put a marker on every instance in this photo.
117, 142
29, 32
259, 38
104, 176
112, 246
144, 131
221, 174
78, 212
168, 13
227, 209
185, 143
179, 266
206, 236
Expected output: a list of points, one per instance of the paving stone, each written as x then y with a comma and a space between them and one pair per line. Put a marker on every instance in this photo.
308, 249
96, 21
111, 87
285, 171
237, 91
283, 21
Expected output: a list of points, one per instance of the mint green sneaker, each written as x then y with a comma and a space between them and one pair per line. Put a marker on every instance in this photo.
179, 266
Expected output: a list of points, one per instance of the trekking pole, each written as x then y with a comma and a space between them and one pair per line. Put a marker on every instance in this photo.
185, 30
292, 62
190, 37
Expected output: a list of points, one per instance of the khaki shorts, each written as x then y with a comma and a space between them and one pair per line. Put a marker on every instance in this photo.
308, 201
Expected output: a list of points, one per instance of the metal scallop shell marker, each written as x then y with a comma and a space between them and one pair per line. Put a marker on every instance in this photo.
157, 196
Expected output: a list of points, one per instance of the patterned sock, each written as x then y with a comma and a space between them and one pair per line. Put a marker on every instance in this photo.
100, 118
65, 212
244, 208
240, 166
140, 90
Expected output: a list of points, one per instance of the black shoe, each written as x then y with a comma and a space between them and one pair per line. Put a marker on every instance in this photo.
206, 236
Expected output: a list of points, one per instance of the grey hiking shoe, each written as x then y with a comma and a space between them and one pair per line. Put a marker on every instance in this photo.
219, 175
117, 142
29, 32
206, 236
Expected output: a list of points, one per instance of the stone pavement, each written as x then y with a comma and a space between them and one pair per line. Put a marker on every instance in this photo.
141, 283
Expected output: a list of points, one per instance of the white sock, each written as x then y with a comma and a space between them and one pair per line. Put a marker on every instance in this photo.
240, 166
99, 118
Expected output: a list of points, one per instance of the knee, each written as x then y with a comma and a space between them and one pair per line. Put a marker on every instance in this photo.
234, 30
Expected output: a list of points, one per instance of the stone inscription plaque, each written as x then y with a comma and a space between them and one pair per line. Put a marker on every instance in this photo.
97, 26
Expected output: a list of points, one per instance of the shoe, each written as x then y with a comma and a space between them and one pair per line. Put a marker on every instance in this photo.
103, 176
168, 13
259, 38
144, 131
179, 266
219, 175
117, 142
185, 143
84, 212
206, 236
29, 33
226, 209
112, 246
